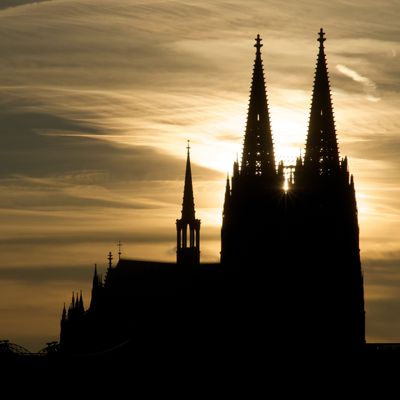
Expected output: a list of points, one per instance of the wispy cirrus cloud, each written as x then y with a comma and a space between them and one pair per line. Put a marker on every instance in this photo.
369, 86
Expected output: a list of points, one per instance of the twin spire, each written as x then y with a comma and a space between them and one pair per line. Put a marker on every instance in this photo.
322, 153
258, 150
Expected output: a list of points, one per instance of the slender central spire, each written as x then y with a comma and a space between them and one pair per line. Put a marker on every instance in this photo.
188, 227
258, 152
188, 212
322, 151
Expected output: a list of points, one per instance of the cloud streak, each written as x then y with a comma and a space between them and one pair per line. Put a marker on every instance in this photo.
369, 86
17, 3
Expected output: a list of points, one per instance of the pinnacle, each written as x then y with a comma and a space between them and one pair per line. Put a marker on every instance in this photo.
321, 121
188, 210
258, 152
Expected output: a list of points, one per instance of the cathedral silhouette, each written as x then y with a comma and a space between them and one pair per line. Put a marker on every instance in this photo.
289, 276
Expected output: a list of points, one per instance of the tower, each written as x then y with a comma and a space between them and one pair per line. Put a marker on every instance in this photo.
326, 224
322, 152
294, 255
258, 151
188, 227
249, 228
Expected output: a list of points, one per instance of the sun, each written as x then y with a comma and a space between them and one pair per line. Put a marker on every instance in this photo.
288, 130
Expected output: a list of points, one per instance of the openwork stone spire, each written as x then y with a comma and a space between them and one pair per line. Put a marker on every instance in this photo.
322, 153
258, 152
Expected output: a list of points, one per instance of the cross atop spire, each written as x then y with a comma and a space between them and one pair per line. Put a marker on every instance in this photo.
321, 38
258, 44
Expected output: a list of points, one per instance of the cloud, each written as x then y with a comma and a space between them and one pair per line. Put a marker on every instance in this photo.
16, 3
89, 237
38, 141
40, 275
369, 86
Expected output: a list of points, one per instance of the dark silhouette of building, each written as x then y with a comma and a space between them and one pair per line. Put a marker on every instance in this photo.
290, 275
188, 227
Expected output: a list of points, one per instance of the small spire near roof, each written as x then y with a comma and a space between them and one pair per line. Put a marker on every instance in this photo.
119, 249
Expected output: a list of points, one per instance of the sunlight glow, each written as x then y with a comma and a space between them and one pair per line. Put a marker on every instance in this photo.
286, 185
289, 127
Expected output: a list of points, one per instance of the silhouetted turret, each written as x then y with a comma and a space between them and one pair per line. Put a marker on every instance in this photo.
188, 227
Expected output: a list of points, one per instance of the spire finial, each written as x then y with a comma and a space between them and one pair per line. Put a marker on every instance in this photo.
119, 249
188, 146
258, 44
321, 38
110, 258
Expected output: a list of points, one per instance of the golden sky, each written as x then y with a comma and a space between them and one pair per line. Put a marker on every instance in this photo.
98, 98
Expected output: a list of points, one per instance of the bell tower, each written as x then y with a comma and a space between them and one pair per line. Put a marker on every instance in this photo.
188, 227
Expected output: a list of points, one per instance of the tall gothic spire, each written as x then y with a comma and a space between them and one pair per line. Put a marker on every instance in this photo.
258, 150
322, 151
188, 212
188, 227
